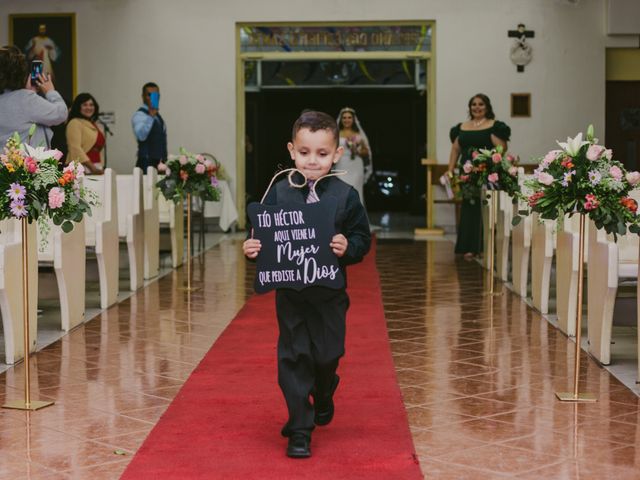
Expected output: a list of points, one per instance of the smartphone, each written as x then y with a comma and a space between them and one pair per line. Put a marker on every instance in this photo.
154, 97
37, 68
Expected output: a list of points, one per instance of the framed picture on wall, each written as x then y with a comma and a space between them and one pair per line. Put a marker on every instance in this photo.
49, 37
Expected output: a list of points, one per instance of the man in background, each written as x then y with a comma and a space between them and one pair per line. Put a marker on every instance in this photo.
150, 129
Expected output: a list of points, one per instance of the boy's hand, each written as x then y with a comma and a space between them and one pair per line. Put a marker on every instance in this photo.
339, 245
251, 247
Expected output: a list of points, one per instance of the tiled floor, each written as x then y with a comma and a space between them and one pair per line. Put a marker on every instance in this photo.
478, 377
113, 377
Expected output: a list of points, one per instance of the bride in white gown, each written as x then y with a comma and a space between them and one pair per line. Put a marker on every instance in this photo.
356, 159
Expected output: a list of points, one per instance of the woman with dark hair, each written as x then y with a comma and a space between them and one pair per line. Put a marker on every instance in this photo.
85, 140
21, 106
482, 130
356, 159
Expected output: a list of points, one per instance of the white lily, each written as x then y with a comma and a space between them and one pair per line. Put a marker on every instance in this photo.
573, 145
40, 153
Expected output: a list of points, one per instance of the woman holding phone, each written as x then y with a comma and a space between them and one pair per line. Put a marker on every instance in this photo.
20, 104
85, 139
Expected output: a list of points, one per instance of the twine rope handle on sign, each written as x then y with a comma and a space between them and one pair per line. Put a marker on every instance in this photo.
291, 171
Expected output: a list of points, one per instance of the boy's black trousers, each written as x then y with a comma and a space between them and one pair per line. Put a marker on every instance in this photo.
311, 342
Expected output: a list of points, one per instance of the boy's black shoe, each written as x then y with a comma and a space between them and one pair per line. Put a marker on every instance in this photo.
324, 407
299, 446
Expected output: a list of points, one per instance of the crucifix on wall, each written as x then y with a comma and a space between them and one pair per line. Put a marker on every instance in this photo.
521, 52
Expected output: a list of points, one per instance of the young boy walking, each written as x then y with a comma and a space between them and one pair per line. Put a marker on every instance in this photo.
312, 321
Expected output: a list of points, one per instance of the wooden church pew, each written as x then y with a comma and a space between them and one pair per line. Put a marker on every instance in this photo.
67, 253
542, 249
567, 250
521, 247
171, 216
11, 288
503, 235
131, 224
151, 224
101, 233
609, 263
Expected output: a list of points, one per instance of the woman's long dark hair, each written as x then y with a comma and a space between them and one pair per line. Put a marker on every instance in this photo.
487, 103
78, 101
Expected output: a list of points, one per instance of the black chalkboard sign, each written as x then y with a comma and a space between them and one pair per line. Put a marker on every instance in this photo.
295, 242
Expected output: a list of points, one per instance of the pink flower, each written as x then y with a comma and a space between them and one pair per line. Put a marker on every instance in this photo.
56, 197
510, 158
467, 167
616, 173
200, 168
200, 158
31, 165
533, 199
608, 154
162, 167
493, 177
549, 157
496, 158
594, 152
513, 171
545, 178
167, 171
633, 178
591, 202
474, 154
208, 163
183, 160
57, 154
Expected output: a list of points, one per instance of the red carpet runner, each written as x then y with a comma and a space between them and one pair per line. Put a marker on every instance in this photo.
225, 422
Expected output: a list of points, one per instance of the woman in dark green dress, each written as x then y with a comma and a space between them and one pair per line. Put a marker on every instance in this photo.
482, 130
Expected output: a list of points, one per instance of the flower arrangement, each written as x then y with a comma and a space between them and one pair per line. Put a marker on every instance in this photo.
492, 169
354, 144
34, 187
189, 173
582, 177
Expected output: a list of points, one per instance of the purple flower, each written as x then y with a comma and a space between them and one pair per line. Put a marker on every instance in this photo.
214, 181
16, 191
567, 178
18, 209
595, 177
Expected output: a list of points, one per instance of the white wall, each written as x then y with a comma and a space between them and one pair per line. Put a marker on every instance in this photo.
188, 48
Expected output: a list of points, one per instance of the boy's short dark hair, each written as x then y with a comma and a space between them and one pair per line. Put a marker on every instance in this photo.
315, 121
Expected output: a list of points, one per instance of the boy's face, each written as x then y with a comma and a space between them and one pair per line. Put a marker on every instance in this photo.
314, 153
